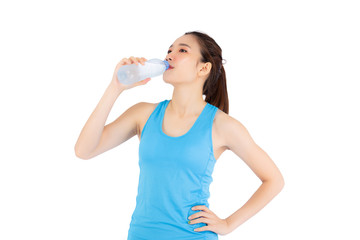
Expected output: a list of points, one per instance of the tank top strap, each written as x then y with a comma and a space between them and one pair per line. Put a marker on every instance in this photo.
206, 118
154, 118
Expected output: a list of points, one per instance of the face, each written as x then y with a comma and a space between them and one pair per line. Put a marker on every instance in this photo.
184, 56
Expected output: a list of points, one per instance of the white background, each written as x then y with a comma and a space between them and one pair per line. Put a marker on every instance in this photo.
292, 77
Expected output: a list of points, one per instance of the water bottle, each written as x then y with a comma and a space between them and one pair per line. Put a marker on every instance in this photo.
129, 74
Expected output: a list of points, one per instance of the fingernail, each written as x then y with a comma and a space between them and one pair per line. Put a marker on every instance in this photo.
189, 222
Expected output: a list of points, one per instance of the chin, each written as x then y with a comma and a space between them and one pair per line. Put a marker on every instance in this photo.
168, 79
165, 79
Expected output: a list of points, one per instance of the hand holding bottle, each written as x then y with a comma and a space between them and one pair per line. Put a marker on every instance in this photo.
134, 73
128, 61
91, 141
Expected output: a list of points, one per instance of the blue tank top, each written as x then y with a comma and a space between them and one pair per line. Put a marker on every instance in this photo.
175, 175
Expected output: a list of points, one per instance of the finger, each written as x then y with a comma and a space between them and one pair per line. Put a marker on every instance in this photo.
142, 82
125, 61
201, 214
133, 60
143, 60
145, 81
194, 221
203, 208
209, 211
138, 60
201, 220
204, 228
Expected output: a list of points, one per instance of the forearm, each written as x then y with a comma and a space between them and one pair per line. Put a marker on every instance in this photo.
265, 193
91, 133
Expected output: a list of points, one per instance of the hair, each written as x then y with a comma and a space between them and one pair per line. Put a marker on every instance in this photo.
215, 85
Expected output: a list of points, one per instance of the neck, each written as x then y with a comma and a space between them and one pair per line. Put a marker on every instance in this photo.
185, 104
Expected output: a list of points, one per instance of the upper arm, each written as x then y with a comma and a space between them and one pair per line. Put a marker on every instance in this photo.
120, 130
238, 140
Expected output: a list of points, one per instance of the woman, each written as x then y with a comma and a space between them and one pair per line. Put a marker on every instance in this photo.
180, 142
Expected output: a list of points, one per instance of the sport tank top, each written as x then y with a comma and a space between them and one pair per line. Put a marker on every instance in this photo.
175, 175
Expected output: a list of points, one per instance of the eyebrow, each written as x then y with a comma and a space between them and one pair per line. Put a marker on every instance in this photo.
182, 44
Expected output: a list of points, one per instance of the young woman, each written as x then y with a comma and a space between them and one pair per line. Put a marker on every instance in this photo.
180, 141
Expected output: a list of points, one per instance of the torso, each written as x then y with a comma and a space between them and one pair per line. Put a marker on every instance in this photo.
182, 126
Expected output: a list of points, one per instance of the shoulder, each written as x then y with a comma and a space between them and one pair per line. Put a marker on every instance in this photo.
146, 107
230, 130
223, 121
143, 112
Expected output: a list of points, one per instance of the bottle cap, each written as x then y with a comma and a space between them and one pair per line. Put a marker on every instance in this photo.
166, 64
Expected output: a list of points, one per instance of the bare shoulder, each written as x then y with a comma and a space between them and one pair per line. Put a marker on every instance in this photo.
220, 120
144, 110
238, 139
226, 127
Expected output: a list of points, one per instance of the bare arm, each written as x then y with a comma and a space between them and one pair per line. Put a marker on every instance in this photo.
95, 138
92, 132
239, 141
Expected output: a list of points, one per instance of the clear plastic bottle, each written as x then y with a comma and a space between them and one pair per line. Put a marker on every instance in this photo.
129, 74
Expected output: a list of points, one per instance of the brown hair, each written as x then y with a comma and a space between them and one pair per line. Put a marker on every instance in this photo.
215, 85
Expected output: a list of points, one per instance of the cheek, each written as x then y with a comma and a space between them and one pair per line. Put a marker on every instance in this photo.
185, 70
190, 73
179, 75
188, 67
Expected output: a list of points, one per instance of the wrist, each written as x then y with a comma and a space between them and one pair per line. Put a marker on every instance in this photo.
115, 87
114, 90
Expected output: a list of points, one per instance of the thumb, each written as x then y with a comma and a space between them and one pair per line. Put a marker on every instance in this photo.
142, 82
145, 80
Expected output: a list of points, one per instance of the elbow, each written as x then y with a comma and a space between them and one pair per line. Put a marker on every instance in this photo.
277, 183
280, 182
80, 155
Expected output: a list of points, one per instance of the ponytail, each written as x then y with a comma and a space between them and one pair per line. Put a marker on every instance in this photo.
214, 88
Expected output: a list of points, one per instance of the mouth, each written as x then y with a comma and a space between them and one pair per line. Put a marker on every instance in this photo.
170, 67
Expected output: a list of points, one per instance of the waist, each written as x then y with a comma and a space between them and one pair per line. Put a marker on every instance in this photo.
160, 230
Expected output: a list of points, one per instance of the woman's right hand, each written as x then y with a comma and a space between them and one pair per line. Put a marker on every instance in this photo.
127, 61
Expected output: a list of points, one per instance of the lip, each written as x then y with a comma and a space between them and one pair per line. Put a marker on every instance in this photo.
170, 67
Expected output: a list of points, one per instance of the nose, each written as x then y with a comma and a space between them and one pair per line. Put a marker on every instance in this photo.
169, 57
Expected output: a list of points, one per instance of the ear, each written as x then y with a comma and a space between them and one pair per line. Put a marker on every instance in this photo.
205, 69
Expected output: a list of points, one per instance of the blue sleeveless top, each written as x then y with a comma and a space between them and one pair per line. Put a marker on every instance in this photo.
175, 174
